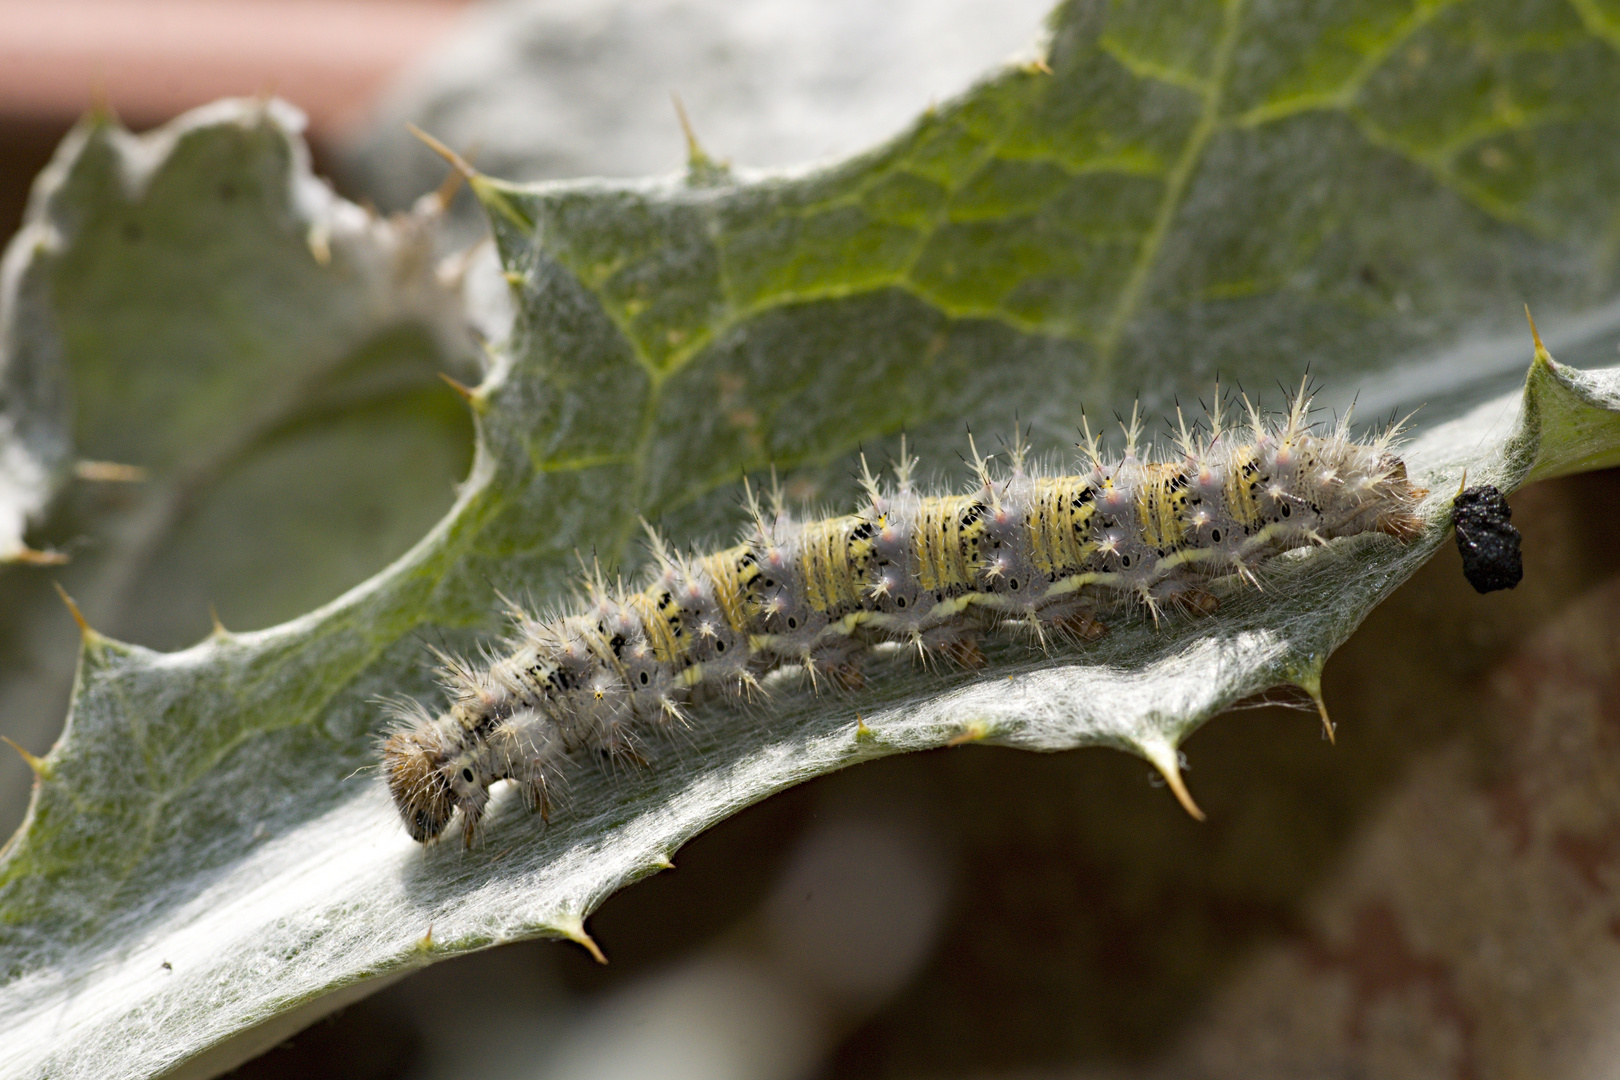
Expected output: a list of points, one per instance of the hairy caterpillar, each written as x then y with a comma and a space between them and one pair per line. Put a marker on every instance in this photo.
1050, 553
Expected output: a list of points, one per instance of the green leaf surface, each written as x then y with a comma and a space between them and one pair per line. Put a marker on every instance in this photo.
264, 355
1372, 190
217, 305
35, 442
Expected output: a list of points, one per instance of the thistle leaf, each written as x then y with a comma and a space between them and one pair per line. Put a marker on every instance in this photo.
1168, 196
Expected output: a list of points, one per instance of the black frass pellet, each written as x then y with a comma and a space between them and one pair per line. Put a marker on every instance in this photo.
1487, 539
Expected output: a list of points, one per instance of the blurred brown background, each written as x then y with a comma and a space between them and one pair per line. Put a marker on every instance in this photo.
150, 60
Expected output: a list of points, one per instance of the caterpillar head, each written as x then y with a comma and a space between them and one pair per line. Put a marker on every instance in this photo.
1399, 498
414, 764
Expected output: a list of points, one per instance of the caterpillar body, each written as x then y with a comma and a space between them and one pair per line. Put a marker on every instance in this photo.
1051, 554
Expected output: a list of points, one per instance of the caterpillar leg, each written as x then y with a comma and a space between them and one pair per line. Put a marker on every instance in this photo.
537, 797
838, 660
469, 824
964, 652
1080, 626
1195, 601
626, 752
846, 675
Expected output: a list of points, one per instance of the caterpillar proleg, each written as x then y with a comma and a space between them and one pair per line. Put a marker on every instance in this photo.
1054, 554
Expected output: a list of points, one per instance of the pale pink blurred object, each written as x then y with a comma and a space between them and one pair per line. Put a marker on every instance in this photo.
153, 59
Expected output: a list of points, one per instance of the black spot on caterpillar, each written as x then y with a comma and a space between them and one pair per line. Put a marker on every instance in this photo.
1019, 549
1487, 540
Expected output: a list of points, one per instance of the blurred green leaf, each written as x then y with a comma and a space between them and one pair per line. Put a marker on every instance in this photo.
224, 314
35, 444
1371, 190
264, 355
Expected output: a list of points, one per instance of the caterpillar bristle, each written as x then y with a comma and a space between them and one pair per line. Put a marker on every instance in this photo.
1024, 549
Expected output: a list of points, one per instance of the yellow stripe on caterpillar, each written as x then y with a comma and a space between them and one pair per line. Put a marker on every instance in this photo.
1161, 505
832, 580
1059, 524
732, 573
946, 546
